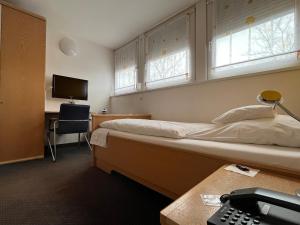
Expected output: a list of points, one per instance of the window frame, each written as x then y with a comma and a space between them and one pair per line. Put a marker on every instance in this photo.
245, 71
191, 13
200, 35
141, 55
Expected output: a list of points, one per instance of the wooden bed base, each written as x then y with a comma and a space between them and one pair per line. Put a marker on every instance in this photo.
169, 171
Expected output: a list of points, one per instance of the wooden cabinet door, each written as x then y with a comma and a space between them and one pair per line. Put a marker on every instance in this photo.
21, 85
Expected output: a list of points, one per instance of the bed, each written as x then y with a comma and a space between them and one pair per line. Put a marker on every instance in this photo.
173, 166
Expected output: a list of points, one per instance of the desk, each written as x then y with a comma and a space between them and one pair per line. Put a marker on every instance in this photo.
189, 209
47, 112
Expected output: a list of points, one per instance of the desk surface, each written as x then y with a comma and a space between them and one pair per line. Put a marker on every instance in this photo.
189, 209
51, 111
57, 111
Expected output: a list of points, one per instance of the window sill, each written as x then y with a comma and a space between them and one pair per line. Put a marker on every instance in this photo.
156, 89
197, 82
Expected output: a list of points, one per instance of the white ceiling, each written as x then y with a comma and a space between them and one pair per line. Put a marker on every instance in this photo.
110, 23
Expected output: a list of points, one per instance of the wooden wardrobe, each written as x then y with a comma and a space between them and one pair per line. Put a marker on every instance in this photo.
22, 85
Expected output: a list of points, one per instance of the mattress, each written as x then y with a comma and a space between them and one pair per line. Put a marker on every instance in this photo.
281, 130
269, 155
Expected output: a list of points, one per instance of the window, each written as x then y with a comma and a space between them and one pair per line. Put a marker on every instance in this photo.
253, 36
168, 53
126, 61
211, 40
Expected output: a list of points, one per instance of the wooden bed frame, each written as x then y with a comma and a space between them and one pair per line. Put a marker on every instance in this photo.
169, 171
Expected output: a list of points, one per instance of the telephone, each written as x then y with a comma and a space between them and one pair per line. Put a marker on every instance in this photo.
257, 206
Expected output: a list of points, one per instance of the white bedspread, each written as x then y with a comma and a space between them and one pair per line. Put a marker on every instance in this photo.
282, 130
156, 127
99, 137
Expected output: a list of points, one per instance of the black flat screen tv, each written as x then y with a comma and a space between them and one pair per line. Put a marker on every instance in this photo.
69, 88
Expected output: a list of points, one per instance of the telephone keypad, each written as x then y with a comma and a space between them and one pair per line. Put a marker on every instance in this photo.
254, 210
232, 216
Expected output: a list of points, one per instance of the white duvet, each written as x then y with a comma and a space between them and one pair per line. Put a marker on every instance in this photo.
282, 130
156, 127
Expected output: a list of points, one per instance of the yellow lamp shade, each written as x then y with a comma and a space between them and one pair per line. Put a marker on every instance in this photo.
271, 96
274, 98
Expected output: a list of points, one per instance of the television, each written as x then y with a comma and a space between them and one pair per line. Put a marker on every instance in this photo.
69, 88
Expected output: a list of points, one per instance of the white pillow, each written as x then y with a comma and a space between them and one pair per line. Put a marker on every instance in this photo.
282, 130
250, 112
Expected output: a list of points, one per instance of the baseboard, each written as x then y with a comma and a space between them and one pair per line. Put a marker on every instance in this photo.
22, 160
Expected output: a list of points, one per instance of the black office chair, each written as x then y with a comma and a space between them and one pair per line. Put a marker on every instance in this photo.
72, 119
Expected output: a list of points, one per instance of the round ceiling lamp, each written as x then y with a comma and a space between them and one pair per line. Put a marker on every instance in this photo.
68, 47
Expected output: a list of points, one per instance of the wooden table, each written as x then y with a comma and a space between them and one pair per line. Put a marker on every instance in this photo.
189, 209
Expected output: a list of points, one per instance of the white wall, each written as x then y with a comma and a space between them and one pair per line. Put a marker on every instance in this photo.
93, 63
205, 101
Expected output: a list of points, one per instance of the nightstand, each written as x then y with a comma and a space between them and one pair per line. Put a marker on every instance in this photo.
189, 209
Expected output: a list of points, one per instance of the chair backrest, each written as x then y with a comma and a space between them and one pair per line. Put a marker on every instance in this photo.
74, 112
73, 118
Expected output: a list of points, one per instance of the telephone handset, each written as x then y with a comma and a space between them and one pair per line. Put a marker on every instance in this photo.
257, 206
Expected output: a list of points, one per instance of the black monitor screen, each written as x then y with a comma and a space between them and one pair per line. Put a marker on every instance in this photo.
68, 87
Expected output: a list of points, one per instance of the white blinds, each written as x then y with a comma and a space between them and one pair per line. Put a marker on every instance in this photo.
237, 14
168, 52
126, 61
252, 36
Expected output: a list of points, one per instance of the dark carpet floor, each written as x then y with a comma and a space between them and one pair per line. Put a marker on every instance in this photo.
70, 191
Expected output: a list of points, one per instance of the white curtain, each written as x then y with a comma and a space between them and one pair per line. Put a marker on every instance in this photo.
168, 52
252, 36
126, 62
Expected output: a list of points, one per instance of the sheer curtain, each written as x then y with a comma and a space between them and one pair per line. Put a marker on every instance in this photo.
253, 36
126, 63
168, 53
